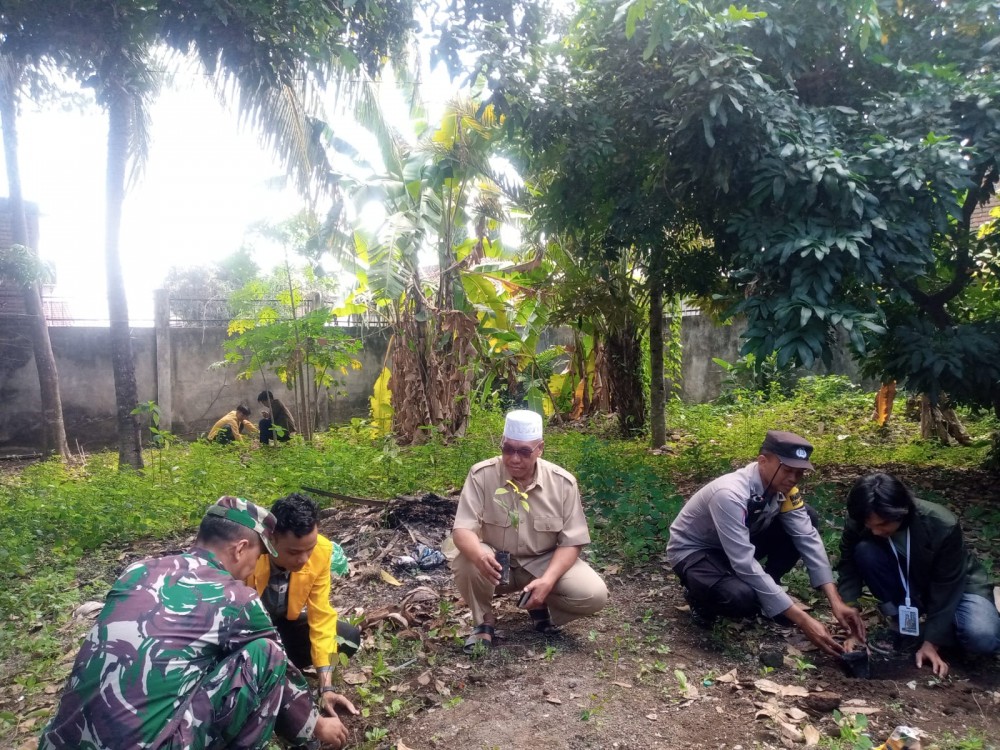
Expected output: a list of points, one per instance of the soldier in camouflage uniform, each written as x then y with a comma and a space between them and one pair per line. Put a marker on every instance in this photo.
183, 655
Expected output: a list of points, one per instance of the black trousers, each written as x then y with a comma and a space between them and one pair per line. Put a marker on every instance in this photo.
268, 433
713, 586
295, 636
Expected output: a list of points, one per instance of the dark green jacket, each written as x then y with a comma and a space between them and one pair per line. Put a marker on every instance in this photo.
941, 571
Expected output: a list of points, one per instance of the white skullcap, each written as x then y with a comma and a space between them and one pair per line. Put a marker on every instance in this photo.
523, 425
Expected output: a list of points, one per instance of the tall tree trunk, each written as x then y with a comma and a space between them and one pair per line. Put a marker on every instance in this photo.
628, 397
122, 362
657, 391
53, 427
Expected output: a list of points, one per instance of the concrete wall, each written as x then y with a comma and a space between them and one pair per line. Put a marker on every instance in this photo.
83, 358
701, 340
176, 367
197, 392
202, 391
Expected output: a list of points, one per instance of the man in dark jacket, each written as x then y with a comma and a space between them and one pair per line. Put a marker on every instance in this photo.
274, 414
913, 558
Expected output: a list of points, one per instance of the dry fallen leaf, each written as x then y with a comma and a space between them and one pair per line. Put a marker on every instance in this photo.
388, 578
425, 678
87, 609
622, 684
785, 691
791, 731
400, 745
355, 678
770, 710
729, 676
795, 714
652, 717
811, 735
553, 699
441, 688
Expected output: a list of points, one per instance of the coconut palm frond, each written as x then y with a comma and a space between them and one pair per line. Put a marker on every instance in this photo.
290, 121
140, 103
369, 114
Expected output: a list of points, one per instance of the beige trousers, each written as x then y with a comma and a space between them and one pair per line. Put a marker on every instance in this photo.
578, 593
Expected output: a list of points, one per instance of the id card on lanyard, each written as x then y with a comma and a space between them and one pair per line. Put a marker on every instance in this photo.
909, 617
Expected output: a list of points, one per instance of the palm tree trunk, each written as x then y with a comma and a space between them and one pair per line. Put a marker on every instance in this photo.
53, 427
123, 364
657, 392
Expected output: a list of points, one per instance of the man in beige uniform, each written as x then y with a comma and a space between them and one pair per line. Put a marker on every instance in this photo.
520, 503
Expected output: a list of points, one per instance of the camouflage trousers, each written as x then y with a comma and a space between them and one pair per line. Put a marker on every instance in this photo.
242, 701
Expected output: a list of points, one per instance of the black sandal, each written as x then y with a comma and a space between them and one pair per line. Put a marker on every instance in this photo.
543, 622
472, 641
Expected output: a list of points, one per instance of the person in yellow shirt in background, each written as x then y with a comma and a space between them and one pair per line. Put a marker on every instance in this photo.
294, 586
232, 426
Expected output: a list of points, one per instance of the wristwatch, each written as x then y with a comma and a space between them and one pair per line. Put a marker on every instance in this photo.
327, 689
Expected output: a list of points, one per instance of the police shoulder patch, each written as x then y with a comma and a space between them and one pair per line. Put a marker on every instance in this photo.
793, 501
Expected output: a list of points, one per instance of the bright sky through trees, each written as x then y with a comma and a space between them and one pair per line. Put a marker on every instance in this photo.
206, 181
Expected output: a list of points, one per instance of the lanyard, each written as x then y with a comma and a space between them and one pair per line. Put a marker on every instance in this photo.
904, 577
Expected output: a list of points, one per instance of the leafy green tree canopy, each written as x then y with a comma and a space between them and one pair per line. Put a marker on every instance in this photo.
831, 153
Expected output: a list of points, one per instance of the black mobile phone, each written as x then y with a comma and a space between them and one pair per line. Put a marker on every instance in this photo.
525, 595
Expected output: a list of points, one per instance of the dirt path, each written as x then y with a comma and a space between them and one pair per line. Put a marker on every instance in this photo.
612, 683
615, 680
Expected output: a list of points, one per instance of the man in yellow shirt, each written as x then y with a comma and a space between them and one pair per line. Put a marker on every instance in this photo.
294, 586
232, 426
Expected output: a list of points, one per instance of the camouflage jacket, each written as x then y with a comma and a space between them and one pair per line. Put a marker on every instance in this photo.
167, 622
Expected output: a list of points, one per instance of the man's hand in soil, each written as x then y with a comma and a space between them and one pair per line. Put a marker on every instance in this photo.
928, 652
330, 730
848, 617
814, 630
331, 700
850, 620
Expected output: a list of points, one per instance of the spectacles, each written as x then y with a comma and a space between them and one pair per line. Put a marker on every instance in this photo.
510, 450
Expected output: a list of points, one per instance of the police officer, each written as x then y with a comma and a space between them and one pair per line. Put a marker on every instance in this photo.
730, 525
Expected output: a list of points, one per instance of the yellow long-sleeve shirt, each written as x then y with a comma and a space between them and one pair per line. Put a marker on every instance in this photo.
234, 422
309, 586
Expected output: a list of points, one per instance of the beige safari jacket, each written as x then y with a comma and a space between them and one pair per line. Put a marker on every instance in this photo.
554, 517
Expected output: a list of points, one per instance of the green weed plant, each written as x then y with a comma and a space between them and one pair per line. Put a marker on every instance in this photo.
631, 504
